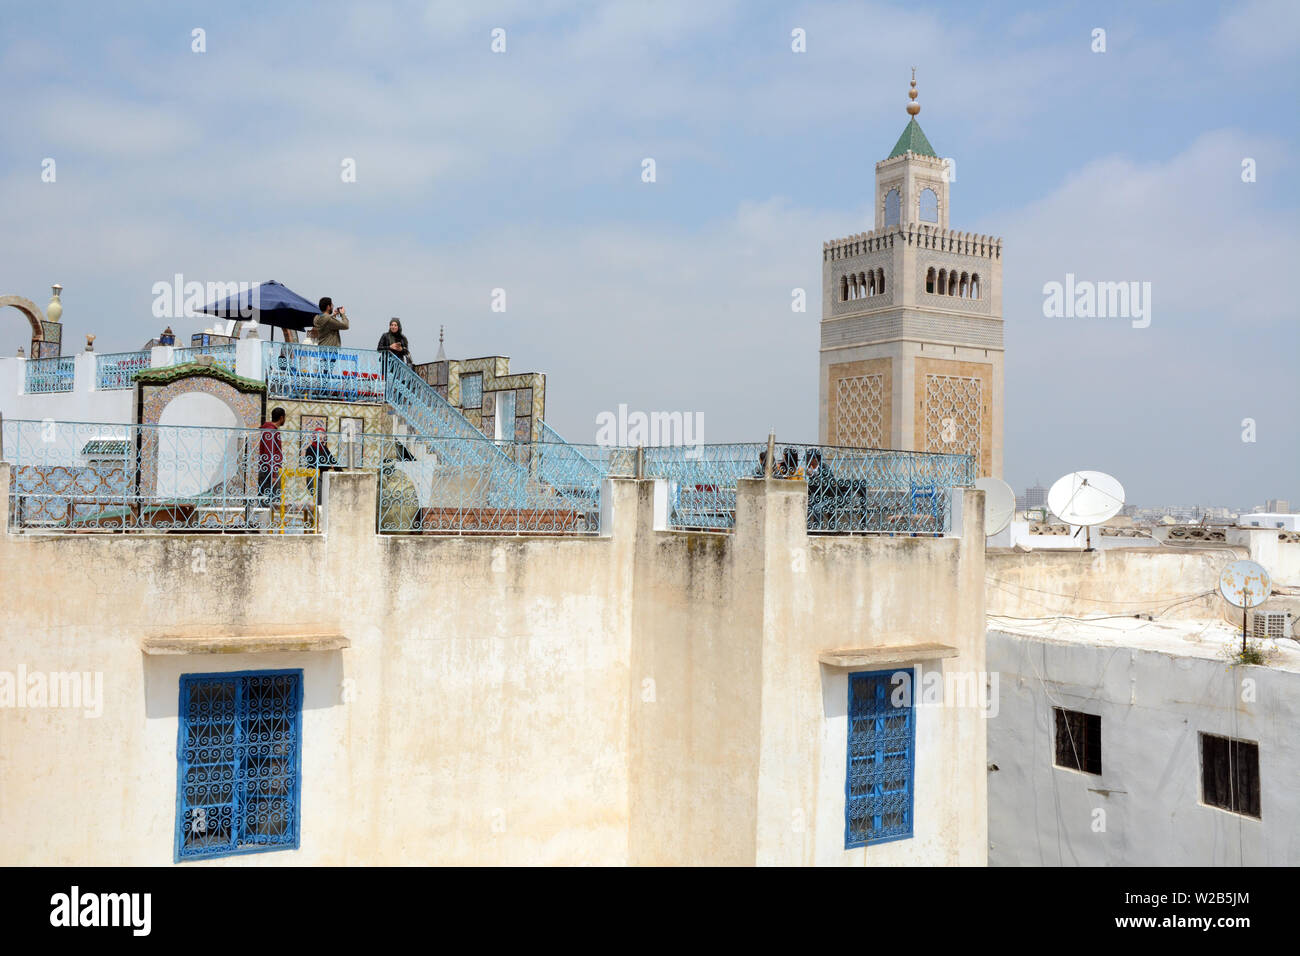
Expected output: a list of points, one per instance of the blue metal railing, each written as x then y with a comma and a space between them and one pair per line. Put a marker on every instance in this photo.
223, 355
116, 370
450, 487
322, 373
429, 416
57, 374
110, 476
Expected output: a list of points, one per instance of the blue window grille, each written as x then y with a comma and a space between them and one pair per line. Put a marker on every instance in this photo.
239, 763
471, 390
881, 756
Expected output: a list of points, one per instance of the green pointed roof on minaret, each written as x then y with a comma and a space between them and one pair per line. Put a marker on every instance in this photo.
913, 138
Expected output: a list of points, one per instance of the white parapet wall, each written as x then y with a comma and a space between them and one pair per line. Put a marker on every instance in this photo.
85, 403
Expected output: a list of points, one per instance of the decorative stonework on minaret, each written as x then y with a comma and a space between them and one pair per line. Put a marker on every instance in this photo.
911, 331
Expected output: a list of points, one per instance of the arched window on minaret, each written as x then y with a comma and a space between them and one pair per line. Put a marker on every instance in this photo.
871, 282
844, 288
975, 286
893, 207
853, 286
964, 292
953, 282
929, 210
943, 282
880, 281
862, 285
929, 280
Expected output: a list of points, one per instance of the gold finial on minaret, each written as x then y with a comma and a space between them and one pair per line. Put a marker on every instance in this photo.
913, 107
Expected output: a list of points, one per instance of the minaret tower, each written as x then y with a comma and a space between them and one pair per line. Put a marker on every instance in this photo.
911, 331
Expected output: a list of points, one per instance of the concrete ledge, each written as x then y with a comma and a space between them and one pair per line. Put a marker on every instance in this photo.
249, 641
887, 654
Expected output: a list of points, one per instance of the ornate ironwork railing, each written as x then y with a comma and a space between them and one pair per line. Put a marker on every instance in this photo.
116, 370
849, 489
448, 485
79, 476
702, 480
425, 414
58, 374
222, 355
323, 373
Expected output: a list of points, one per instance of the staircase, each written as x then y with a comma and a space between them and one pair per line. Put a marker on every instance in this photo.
457, 466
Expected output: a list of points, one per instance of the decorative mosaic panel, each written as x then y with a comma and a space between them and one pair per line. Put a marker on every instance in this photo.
953, 414
370, 422
862, 419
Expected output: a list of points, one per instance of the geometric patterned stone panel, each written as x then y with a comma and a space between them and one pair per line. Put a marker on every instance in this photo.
862, 413
954, 414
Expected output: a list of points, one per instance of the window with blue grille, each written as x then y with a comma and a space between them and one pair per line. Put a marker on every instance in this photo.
882, 749
239, 763
471, 390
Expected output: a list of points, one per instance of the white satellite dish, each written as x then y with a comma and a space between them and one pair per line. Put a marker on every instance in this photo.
999, 504
1086, 498
1245, 584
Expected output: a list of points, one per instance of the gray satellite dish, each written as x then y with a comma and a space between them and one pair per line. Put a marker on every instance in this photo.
999, 504
1245, 584
1086, 498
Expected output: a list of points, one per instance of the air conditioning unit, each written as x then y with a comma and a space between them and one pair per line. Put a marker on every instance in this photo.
1271, 624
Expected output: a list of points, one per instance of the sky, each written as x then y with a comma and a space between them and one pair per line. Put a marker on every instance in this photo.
522, 170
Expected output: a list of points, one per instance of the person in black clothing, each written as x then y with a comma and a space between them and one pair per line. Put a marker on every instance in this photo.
394, 342
317, 457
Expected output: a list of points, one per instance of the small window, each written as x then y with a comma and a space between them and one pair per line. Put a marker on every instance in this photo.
505, 419
1078, 740
929, 211
1230, 774
893, 207
881, 745
471, 390
238, 763
929, 280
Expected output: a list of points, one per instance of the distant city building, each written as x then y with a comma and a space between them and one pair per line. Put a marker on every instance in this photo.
1277, 506
1285, 522
1035, 497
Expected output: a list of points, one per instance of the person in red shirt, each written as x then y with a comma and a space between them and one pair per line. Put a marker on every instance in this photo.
270, 458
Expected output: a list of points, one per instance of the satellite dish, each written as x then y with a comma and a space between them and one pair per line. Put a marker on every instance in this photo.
1245, 584
999, 504
1086, 498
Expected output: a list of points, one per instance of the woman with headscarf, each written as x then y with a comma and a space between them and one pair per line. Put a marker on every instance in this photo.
394, 342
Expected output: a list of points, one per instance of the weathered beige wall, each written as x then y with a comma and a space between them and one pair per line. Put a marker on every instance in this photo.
741, 758
489, 723
644, 697
824, 593
1181, 583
